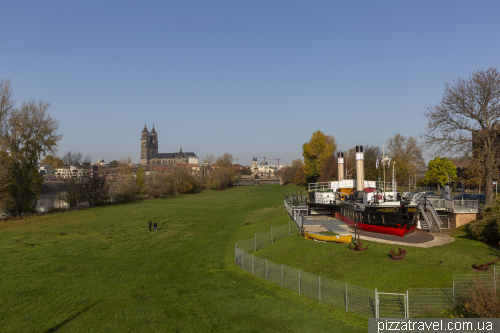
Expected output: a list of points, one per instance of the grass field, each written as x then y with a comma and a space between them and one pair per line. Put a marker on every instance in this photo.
423, 268
102, 270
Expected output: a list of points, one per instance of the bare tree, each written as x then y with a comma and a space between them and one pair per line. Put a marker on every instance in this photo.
466, 122
87, 159
209, 159
72, 158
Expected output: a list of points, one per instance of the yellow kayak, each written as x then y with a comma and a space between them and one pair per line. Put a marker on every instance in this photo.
329, 238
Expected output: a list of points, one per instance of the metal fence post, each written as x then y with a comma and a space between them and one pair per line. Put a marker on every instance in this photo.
266, 268
346, 297
299, 281
282, 274
407, 304
494, 277
319, 287
255, 242
376, 303
453, 293
272, 239
252, 264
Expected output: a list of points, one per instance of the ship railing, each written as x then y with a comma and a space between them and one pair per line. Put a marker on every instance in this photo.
323, 186
387, 186
463, 205
324, 201
436, 202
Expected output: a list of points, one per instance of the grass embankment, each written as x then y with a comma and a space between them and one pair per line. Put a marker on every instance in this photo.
102, 270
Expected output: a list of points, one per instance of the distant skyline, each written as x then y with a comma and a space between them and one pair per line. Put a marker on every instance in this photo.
249, 78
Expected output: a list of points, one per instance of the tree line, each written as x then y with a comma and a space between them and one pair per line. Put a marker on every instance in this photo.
320, 161
128, 184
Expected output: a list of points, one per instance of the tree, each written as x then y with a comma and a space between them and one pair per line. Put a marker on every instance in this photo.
466, 122
6, 105
370, 164
408, 155
156, 184
441, 171
288, 173
316, 152
26, 134
72, 158
140, 179
87, 159
124, 187
300, 177
55, 161
330, 170
181, 181
224, 174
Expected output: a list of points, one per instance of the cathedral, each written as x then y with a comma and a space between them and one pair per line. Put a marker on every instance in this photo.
151, 157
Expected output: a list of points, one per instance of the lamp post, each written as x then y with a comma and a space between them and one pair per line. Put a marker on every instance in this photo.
409, 189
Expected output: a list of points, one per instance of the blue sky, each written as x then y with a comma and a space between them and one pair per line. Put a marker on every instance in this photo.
253, 78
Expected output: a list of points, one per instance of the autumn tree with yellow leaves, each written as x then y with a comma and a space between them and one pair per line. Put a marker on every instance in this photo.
316, 152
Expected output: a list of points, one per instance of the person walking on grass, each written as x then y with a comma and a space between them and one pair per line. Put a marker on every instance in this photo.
155, 225
150, 224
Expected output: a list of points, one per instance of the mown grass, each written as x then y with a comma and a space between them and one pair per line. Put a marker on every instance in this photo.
102, 270
423, 268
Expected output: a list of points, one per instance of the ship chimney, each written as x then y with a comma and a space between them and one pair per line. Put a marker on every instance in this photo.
341, 166
360, 170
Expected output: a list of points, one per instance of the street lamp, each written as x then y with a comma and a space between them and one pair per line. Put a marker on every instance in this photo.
409, 189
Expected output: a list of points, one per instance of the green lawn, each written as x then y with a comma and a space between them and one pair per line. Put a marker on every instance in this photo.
102, 270
424, 268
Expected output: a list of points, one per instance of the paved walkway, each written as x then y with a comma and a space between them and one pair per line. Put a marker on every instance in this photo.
418, 238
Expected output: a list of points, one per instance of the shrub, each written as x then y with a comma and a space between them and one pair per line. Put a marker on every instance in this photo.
487, 229
482, 301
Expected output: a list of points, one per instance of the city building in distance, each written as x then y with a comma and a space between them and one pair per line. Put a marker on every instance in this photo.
151, 157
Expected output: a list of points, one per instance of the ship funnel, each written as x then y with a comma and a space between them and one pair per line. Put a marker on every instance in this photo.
360, 169
341, 166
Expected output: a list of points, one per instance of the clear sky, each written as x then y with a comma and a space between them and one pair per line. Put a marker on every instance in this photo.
253, 78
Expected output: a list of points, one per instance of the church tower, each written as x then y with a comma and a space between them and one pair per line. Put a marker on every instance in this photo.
154, 143
145, 147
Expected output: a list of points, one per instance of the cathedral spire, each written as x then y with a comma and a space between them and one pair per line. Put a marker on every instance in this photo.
145, 130
153, 130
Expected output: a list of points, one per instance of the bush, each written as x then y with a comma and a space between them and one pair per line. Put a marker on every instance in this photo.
482, 301
487, 228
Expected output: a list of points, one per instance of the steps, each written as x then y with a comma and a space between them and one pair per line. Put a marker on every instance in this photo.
429, 219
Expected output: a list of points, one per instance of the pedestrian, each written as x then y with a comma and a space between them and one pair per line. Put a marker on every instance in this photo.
150, 224
155, 225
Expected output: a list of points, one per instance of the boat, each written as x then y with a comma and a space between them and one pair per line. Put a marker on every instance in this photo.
328, 238
365, 205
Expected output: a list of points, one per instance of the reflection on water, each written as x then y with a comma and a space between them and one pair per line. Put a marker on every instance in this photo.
48, 201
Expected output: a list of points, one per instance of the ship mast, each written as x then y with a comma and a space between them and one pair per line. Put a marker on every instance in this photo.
385, 161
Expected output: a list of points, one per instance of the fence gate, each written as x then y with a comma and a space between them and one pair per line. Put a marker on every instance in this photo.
390, 305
